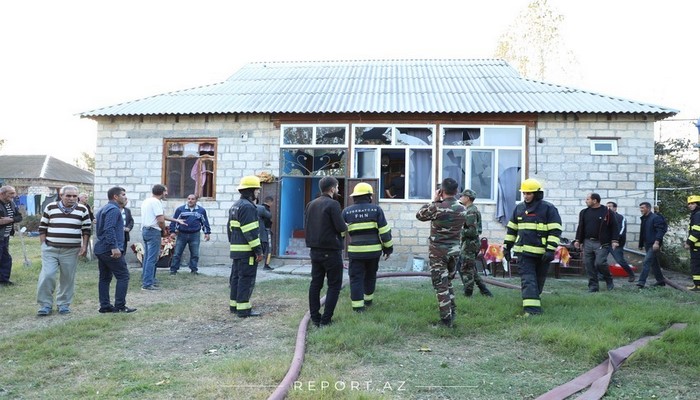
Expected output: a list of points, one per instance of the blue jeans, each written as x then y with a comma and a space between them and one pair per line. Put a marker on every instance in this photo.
109, 267
191, 240
151, 251
5, 259
651, 261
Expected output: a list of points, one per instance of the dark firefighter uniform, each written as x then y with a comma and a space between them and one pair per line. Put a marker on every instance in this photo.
370, 237
243, 234
533, 233
693, 242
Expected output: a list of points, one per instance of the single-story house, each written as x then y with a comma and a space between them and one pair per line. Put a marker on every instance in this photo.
401, 125
38, 178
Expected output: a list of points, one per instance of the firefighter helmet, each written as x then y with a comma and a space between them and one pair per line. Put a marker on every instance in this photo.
693, 199
531, 185
469, 193
249, 182
362, 188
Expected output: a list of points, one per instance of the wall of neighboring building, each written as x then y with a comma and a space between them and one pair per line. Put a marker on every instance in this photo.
130, 154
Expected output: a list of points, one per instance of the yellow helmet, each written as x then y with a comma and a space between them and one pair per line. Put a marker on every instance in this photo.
531, 185
693, 199
362, 188
249, 182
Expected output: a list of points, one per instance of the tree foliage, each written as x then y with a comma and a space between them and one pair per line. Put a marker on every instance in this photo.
86, 162
533, 44
676, 177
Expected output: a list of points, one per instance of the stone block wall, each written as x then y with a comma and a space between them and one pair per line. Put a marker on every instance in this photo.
130, 154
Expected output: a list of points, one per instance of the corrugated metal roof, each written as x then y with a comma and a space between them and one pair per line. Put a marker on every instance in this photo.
43, 167
379, 86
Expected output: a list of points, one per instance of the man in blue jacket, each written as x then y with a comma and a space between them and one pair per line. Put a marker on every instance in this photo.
109, 230
651, 235
189, 235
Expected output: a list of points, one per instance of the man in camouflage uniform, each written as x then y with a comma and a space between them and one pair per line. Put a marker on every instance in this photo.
469, 246
446, 216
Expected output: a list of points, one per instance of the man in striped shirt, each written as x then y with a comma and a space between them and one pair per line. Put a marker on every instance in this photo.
64, 231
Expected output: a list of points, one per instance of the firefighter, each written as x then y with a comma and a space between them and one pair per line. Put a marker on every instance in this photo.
533, 233
693, 241
246, 249
370, 237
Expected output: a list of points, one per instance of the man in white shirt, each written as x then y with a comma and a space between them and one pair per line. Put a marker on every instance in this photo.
153, 228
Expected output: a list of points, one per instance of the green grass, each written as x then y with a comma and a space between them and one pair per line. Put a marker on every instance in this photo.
183, 342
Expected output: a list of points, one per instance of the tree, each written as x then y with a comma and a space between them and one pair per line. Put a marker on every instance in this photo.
86, 162
676, 177
534, 46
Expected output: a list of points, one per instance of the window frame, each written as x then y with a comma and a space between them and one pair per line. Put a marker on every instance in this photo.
213, 158
613, 147
478, 145
393, 146
313, 146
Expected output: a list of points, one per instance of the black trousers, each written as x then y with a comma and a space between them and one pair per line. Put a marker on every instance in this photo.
325, 264
242, 282
109, 267
363, 280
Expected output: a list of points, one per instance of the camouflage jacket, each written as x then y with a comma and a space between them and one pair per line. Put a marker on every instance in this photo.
446, 220
469, 237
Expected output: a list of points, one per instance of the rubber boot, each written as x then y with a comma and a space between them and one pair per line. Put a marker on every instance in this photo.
248, 313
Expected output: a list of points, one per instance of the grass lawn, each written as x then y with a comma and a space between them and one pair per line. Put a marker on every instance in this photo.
184, 343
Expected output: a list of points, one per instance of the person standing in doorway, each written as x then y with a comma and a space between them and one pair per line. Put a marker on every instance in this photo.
265, 215
692, 243
651, 238
246, 250
533, 232
597, 234
189, 235
109, 230
64, 232
469, 246
152, 229
370, 237
446, 216
618, 252
325, 228
9, 216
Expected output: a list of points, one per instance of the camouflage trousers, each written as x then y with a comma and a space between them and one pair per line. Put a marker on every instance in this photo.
442, 272
469, 274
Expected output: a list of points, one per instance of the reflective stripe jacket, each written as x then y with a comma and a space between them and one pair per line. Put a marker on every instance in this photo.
243, 230
694, 232
370, 234
534, 229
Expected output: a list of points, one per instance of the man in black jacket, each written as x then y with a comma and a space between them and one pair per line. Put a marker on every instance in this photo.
9, 215
651, 237
324, 231
597, 231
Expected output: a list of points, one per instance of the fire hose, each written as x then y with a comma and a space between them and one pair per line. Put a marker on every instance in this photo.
598, 378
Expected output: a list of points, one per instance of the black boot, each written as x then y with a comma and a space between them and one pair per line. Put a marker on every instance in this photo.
248, 313
468, 292
232, 309
485, 291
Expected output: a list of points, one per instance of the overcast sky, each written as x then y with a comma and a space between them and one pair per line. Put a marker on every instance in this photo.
62, 58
